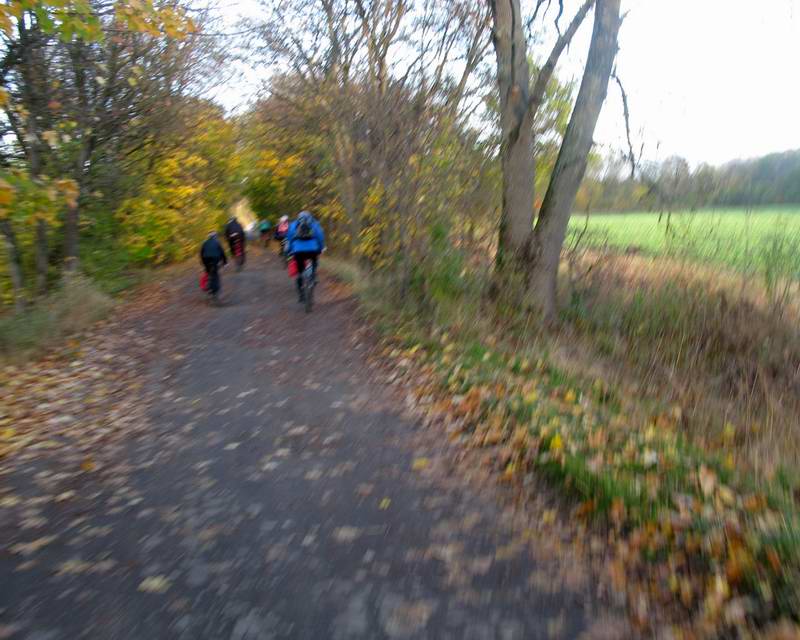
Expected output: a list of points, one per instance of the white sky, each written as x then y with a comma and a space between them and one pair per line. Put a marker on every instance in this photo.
711, 80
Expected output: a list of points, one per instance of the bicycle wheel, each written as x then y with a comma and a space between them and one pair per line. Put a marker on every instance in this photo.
309, 297
308, 288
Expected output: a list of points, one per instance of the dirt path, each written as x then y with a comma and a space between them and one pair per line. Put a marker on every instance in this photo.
267, 485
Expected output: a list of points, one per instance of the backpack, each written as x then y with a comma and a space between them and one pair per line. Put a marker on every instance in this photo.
304, 230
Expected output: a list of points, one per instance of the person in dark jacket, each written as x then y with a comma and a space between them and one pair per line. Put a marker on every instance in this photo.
211, 254
305, 241
234, 232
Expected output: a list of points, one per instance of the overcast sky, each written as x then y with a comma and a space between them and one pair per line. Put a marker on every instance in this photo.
711, 80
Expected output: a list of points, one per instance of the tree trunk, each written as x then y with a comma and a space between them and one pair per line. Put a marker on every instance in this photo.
516, 148
71, 220
14, 268
41, 256
551, 227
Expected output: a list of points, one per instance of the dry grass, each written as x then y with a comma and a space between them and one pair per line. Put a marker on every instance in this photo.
74, 307
706, 340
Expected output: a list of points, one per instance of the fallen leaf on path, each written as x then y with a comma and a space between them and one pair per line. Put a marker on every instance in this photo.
346, 534
28, 548
420, 463
155, 584
385, 504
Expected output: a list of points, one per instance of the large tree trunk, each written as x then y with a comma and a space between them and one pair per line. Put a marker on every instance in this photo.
516, 147
41, 256
14, 268
551, 227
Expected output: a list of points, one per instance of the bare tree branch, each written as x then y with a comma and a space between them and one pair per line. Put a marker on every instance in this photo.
537, 93
630, 156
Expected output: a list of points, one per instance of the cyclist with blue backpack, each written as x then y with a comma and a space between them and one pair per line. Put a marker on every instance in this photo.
305, 241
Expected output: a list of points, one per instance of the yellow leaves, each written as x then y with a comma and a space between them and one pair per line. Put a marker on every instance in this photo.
531, 397
730, 462
510, 472
6, 24
739, 562
384, 504
726, 496
520, 438
548, 517
556, 443
4, 98
717, 592
6, 194
69, 190
420, 463
88, 465
51, 138
493, 437
155, 584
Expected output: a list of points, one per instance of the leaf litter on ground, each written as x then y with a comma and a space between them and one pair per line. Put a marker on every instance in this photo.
697, 548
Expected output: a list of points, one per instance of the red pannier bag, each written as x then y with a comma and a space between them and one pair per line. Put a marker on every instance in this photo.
204, 281
292, 267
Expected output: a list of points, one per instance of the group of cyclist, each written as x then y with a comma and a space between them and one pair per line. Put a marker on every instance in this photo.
301, 241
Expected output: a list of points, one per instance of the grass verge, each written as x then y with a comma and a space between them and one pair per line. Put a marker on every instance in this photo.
74, 307
694, 537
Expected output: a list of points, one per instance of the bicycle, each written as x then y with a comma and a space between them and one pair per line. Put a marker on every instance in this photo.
213, 297
238, 251
307, 286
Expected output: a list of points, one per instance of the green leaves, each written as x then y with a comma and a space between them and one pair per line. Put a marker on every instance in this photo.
76, 19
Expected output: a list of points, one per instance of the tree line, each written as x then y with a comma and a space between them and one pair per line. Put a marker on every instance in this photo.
773, 179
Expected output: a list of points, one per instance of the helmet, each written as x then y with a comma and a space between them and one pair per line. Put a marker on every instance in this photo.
284, 218
304, 214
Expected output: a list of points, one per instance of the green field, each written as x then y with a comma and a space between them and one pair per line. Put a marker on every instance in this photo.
755, 240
